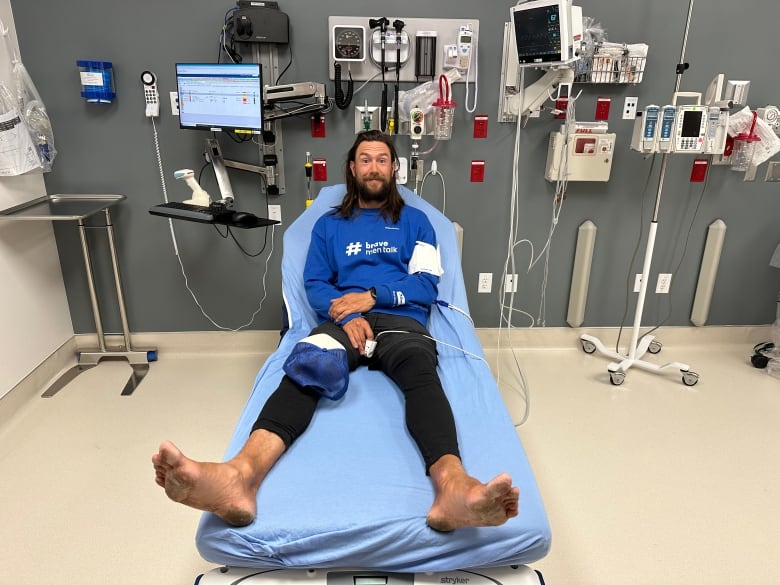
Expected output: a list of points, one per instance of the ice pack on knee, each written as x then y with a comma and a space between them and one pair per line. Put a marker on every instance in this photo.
319, 362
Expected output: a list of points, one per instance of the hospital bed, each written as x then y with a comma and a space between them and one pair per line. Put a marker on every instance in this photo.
347, 503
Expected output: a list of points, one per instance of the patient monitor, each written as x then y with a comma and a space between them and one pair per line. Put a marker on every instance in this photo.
541, 33
546, 32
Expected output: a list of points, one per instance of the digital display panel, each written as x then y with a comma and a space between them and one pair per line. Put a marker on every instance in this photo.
220, 96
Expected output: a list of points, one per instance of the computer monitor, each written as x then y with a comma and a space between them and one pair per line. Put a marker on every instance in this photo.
220, 97
543, 32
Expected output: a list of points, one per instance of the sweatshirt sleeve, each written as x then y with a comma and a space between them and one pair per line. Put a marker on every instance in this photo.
319, 273
419, 288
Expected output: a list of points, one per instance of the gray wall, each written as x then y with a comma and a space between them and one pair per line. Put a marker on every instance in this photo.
109, 149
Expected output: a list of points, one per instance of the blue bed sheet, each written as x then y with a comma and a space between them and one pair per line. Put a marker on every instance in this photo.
352, 491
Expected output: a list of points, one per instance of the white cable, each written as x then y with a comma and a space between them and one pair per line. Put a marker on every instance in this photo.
457, 309
369, 80
162, 181
443, 186
465, 351
525, 392
260, 306
557, 206
476, 82
178, 256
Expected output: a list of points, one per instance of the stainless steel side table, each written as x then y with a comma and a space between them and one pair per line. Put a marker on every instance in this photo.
78, 208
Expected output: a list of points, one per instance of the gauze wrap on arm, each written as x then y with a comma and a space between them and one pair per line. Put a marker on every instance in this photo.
319, 362
425, 258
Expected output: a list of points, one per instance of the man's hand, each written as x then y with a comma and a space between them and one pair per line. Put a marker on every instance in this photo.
358, 331
349, 304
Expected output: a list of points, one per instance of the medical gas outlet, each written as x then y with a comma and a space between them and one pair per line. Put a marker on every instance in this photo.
579, 156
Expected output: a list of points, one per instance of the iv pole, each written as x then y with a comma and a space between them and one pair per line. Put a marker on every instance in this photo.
638, 348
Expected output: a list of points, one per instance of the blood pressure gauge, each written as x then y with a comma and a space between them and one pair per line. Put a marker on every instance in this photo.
349, 43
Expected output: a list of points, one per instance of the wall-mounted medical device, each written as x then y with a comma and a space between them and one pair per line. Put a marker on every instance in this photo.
546, 32
687, 128
260, 21
348, 43
458, 55
396, 47
579, 156
220, 97
421, 46
541, 33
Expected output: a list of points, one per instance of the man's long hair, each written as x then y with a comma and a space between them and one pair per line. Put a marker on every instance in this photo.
391, 209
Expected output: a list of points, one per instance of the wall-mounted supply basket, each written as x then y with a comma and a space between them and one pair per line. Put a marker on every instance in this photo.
613, 64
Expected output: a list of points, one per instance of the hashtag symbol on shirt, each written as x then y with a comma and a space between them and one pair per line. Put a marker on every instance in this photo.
353, 248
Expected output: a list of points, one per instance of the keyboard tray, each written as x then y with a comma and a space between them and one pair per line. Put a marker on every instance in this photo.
201, 214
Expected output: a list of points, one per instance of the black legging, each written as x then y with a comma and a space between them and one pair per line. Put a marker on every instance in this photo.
409, 359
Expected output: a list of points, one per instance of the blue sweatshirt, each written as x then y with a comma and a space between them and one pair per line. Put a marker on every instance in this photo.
367, 250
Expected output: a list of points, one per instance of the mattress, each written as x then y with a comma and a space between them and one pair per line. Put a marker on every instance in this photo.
352, 491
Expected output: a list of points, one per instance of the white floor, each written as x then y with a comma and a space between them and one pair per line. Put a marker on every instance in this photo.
651, 482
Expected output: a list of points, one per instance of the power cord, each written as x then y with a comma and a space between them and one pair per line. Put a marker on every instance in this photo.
435, 171
231, 52
439, 341
342, 100
473, 108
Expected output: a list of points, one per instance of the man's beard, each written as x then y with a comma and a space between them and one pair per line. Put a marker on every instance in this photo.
367, 194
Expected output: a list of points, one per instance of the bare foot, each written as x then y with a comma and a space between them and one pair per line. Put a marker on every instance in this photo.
221, 488
463, 501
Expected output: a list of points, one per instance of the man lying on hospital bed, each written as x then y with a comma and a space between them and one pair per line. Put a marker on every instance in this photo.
371, 275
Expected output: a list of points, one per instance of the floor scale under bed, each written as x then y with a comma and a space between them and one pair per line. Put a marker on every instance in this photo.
347, 503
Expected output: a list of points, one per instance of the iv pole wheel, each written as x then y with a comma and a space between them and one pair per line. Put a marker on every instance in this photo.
588, 346
617, 378
654, 347
690, 378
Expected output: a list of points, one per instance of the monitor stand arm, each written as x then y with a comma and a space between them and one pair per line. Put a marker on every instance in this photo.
213, 155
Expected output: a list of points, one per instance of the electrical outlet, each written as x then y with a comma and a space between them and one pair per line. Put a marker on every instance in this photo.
629, 108
510, 283
485, 282
664, 283
275, 213
637, 282
174, 103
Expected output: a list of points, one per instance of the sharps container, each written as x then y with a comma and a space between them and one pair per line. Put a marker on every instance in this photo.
97, 81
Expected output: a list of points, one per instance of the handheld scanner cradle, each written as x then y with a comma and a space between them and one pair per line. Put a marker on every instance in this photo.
188, 176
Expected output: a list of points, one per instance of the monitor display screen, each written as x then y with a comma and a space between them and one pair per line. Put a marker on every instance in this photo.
220, 96
541, 32
691, 124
